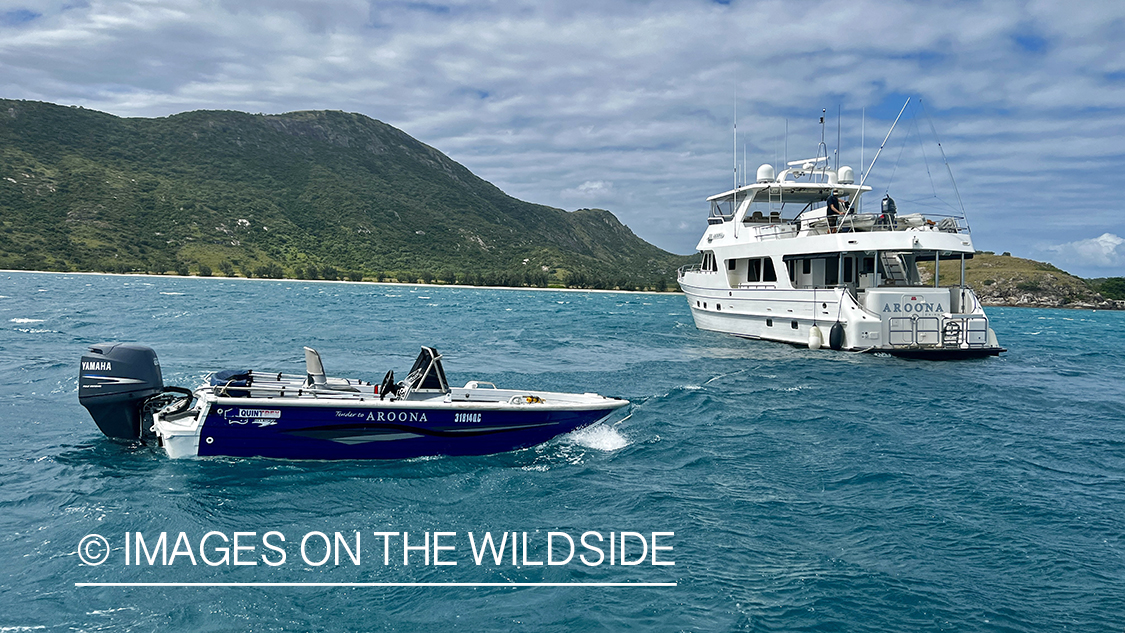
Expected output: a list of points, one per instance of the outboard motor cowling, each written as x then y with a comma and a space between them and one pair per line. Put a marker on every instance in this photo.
114, 381
889, 206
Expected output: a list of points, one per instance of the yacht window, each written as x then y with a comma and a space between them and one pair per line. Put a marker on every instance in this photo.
849, 264
769, 322
791, 265
768, 273
731, 264
754, 270
724, 209
868, 266
806, 266
831, 271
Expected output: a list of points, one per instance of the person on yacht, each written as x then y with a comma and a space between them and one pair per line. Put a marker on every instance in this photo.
835, 210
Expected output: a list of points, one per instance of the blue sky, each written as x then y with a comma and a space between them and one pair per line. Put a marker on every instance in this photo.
629, 106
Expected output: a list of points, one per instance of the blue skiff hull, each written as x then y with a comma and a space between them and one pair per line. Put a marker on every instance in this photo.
306, 432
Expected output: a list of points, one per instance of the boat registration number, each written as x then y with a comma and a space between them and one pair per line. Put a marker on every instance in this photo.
466, 417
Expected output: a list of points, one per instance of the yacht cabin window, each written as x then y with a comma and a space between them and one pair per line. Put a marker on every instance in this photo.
722, 209
760, 269
768, 273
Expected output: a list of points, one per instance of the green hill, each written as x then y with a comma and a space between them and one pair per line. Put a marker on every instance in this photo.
1003, 280
303, 194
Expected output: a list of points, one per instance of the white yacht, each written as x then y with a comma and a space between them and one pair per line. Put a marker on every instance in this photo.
777, 266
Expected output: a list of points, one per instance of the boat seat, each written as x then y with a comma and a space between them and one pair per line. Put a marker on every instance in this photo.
317, 379
756, 217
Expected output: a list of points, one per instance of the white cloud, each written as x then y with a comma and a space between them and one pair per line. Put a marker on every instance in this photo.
1105, 252
631, 104
591, 189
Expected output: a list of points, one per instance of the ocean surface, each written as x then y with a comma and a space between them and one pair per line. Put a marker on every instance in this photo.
805, 490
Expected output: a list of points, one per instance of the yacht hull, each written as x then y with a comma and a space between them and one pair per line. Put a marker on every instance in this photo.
790, 316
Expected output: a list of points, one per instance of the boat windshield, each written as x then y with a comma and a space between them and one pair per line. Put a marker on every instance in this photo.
722, 209
427, 373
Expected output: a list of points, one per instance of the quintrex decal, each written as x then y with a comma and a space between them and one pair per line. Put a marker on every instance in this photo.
259, 413
261, 417
249, 413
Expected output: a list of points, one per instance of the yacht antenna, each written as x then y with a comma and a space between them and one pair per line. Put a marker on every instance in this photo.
734, 200
862, 137
734, 205
823, 111
837, 137
868, 173
786, 141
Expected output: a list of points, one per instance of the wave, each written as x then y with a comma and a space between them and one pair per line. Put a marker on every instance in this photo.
600, 437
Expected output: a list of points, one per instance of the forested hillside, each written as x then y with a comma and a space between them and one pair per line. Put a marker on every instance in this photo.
305, 194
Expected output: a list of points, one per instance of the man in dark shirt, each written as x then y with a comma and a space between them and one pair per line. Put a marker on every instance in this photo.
834, 210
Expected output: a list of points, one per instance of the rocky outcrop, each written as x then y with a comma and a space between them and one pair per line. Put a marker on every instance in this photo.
1049, 291
1003, 280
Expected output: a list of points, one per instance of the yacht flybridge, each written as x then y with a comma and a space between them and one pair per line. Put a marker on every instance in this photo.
778, 264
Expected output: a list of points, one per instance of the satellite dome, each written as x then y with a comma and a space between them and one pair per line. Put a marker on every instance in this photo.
766, 173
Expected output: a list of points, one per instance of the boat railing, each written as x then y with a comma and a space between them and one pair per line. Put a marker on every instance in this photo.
290, 385
689, 268
964, 331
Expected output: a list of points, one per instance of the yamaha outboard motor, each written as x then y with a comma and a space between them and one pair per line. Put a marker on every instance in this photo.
887, 217
889, 206
114, 382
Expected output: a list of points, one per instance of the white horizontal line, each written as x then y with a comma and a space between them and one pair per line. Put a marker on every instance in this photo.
375, 584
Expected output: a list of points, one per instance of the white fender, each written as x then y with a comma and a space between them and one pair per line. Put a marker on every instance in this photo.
816, 339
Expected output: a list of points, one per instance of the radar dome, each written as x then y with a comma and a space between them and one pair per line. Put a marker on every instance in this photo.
766, 173
847, 176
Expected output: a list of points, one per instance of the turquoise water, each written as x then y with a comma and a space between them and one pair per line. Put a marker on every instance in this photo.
805, 490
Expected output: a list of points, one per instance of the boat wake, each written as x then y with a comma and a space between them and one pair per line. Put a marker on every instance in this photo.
600, 437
